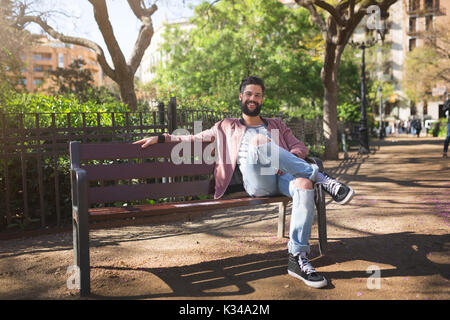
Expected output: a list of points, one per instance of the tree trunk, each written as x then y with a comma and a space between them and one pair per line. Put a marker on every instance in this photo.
127, 93
343, 17
123, 72
329, 121
329, 76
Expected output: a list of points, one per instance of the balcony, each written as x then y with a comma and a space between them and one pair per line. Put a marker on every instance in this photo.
420, 12
412, 33
437, 11
413, 7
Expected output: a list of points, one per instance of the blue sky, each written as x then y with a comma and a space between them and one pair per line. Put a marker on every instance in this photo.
125, 24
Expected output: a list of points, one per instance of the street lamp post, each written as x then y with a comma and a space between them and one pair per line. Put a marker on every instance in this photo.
381, 126
363, 129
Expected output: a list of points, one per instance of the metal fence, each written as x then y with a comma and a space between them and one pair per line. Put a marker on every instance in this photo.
34, 154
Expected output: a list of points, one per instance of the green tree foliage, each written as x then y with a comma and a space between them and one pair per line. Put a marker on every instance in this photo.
12, 41
428, 67
78, 81
235, 39
349, 92
74, 79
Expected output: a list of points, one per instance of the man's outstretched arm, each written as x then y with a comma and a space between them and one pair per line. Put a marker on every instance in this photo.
206, 135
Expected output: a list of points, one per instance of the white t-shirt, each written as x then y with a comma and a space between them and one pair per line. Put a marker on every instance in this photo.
250, 132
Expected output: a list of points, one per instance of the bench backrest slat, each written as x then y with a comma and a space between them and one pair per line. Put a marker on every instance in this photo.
148, 191
108, 151
136, 165
145, 170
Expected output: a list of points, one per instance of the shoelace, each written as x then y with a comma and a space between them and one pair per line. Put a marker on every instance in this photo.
332, 186
305, 265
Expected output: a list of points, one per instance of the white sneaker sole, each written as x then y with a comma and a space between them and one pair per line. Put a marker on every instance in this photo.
348, 198
313, 284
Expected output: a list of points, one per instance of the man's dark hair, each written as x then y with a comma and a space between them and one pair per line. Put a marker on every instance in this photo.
252, 80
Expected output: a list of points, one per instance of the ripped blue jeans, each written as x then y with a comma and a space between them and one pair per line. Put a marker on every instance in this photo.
260, 178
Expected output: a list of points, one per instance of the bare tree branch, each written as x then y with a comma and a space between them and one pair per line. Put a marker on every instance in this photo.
102, 18
145, 33
123, 72
316, 17
331, 10
22, 19
141, 12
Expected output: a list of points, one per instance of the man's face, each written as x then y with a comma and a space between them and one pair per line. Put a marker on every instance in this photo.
251, 100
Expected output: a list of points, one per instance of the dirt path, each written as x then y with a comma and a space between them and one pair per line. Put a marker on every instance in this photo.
396, 227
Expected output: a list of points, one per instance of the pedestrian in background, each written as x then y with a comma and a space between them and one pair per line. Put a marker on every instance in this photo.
447, 114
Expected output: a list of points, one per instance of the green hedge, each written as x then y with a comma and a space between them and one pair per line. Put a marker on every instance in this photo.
26, 106
439, 128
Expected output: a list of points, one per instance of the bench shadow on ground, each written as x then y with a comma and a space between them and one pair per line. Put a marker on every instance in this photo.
408, 254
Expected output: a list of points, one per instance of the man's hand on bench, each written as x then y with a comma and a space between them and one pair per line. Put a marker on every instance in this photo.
147, 141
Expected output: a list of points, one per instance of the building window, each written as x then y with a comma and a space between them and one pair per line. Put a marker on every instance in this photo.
428, 4
413, 109
414, 5
412, 44
412, 24
38, 82
42, 56
60, 60
38, 69
429, 23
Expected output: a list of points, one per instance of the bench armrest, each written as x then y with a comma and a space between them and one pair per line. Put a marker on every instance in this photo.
79, 184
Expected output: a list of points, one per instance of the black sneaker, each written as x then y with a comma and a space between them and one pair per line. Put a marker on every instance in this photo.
299, 267
340, 192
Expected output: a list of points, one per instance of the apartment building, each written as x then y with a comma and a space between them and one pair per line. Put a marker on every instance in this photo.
405, 27
47, 54
420, 17
154, 55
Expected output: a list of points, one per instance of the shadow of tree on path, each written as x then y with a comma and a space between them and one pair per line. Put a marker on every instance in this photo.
407, 252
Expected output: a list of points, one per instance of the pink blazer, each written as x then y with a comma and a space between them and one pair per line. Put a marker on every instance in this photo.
227, 135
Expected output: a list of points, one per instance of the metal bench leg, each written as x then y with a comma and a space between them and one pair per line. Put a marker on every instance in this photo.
281, 219
81, 255
81, 233
76, 258
83, 251
321, 217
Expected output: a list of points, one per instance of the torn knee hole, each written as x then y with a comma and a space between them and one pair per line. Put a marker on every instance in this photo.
303, 183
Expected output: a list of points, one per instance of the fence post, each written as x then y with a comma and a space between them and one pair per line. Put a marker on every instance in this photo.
172, 114
4, 152
302, 128
318, 132
161, 113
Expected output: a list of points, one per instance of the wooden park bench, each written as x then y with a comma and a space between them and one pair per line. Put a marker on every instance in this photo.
123, 172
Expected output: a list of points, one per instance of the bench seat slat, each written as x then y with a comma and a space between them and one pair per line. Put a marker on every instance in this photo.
108, 213
109, 151
147, 191
145, 170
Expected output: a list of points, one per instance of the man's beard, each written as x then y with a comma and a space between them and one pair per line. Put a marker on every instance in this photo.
246, 111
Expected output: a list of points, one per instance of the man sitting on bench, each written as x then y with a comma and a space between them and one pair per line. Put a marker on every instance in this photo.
271, 160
